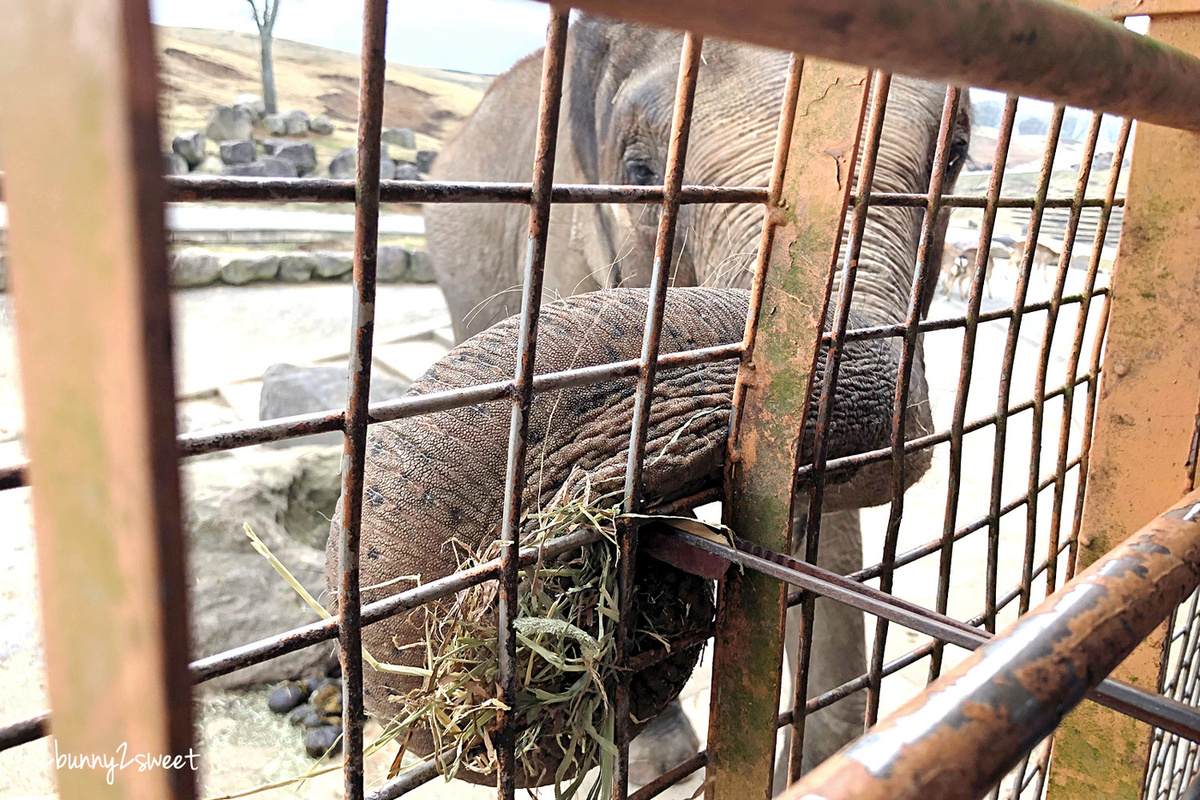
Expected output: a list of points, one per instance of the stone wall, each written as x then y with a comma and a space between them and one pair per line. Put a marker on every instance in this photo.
195, 266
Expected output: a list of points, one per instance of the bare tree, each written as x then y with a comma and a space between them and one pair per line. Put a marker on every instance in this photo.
265, 20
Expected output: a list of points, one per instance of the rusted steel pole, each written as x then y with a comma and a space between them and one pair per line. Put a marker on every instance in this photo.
627, 531
1037, 48
1145, 410
772, 387
78, 107
553, 63
366, 240
960, 736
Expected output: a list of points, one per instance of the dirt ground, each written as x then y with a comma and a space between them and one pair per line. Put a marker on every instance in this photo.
227, 336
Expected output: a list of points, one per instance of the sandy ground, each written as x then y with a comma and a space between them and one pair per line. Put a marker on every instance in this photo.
227, 336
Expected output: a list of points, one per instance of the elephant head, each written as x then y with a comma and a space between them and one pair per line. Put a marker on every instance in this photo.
618, 104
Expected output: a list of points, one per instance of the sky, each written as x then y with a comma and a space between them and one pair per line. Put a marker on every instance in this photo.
483, 36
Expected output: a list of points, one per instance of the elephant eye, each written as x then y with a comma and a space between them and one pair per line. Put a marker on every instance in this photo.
641, 173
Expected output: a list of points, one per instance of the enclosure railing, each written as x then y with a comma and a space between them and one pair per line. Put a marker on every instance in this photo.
91, 297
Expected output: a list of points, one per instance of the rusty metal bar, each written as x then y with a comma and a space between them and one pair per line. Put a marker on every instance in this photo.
872, 456
866, 177
1144, 413
1081, 322
1178, 716
1037, 48
1019, 685
188, 189
908, 352
966, 366
627, 532
1010, 354
24, 731
89, 284
1039, 391
354, 449
522, 395
972, 201
772, 386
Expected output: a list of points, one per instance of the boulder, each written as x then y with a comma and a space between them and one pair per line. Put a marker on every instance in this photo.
173, 164
302, 154
407, 172
425, 160
229, 122
211, 165
236, 596
288, 390
296, 123
252, 103
275, 124
190, 146
401, 137
268, 167
248, 267
193, 267
238, 152
296, 267
322, 126
342, 167
404, 155
420, 267
391, 264
332, 265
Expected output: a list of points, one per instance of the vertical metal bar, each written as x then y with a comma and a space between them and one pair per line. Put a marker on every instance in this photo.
1006, 370
974, 303
518, 434
1039, 388
1081, 321
882, 85
773, 384
908, 352
366, 240
1145, 411
685, 93
78, 107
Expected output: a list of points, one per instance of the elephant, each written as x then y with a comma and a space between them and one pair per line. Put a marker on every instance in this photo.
429, 475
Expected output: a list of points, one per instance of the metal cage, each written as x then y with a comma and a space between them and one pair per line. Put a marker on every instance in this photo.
90, 288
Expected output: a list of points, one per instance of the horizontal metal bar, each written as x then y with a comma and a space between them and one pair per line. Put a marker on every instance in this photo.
321, 190
298, 638
979, 201
1020, 685
949, 323
859, 460
229, 438
1038, 48
1150, 708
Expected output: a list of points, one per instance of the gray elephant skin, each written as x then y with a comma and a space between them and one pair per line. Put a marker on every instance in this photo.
431, 477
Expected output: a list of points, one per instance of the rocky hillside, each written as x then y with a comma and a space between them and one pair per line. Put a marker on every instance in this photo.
202, 68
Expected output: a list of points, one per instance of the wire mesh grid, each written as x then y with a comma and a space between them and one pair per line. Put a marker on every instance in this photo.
1015, 524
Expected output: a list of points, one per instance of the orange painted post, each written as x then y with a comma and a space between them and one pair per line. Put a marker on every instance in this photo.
1145, 415
78, 111
807, 201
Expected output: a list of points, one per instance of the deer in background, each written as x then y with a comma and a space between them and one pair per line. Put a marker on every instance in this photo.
1043, 258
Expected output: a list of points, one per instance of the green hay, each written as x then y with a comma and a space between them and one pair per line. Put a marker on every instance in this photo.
566, 658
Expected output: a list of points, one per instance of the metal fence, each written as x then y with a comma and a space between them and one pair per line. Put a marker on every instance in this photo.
1040, 48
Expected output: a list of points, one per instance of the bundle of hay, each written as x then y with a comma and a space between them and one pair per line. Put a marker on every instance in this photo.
566, 656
